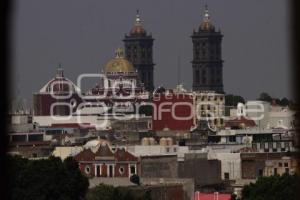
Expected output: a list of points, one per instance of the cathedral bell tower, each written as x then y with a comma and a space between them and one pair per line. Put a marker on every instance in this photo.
138, 50
207, 57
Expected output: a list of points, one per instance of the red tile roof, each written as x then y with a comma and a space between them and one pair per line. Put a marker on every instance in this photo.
240, 120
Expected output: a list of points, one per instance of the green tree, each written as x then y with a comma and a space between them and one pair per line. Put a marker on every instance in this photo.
272, 188
45, 179
107, 192
265, 97
101, 192
284, 102
231, 101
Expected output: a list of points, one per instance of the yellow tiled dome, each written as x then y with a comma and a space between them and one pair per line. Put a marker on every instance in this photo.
119, 63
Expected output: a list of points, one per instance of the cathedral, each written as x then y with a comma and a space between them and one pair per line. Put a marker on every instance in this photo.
129, 75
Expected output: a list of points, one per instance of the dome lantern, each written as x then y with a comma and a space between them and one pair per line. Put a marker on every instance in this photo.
206, 24
138, 29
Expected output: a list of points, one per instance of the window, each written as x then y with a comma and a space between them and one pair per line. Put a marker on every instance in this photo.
121, 170
275, 171
287, 170
260, 172
132, 169
280, 164
226, 176
266, 150
98, 170
167, 149
87, 169
197, 76
286, 164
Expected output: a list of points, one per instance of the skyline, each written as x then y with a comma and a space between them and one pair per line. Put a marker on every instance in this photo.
85, 41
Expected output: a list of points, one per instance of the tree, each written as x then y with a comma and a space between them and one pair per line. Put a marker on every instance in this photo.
272, 188
107, 192
45, 179
101, 192
265, 97
233, 100
284, 102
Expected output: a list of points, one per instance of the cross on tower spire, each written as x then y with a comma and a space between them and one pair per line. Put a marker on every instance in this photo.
138, 20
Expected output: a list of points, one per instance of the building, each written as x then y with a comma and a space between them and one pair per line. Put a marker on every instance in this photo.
159, 166
120, 84
230, 164
279, 167
207, 57
205, 172
254, 165
210, 106
103, 162
138, 49
173, 111
265, 115
117, 93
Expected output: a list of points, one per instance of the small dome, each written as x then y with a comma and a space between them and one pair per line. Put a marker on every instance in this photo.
206, 25
59, 84
119, 63
138, 29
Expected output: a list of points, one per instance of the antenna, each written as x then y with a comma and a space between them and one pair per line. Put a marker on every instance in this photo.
178, 70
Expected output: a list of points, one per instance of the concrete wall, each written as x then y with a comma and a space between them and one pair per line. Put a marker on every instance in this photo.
230, 163
159, 166
197, 166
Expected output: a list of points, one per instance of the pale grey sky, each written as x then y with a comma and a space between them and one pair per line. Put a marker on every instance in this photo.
83, 34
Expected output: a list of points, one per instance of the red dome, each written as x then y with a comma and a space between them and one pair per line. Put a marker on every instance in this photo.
138, 31
59, 84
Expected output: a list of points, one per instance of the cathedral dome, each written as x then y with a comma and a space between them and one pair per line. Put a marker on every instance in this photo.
119, 63
60, 84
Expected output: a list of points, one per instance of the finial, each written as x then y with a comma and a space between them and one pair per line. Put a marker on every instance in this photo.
60, 71
206, 15
119, 53
138, 20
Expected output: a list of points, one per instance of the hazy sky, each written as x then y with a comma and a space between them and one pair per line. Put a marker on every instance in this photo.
83, 34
